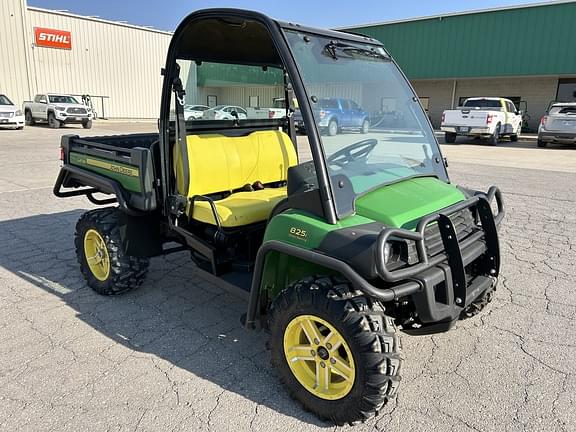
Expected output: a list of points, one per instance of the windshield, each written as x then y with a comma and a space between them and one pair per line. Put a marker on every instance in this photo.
62, 99
483, 103
5, 101
373, 129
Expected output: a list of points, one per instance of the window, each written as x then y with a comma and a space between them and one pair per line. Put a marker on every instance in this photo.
483, 103
566, 90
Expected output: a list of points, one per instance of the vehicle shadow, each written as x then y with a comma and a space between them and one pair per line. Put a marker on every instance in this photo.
176, 315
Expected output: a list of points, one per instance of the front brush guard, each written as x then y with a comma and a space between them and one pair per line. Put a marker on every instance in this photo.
453, 249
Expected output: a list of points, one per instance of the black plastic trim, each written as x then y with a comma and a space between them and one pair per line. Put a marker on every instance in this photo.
384, 295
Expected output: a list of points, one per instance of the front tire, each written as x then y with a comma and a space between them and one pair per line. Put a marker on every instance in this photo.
53, 122
332, 128
450, 137
365, 127
104, 265
87, 124
336, 350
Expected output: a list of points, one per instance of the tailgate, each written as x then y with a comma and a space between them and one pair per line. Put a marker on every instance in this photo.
465, 117
561, 123
123, 166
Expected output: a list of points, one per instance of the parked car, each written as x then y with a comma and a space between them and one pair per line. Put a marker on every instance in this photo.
225, 112
277, 111
334, 115
10, 114
194, 112
558, 125
57, 110
484, 117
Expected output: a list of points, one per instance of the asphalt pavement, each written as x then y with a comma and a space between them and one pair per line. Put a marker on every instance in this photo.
173, 356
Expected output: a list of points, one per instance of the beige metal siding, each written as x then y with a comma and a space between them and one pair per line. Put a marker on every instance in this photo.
13, 69
106, 59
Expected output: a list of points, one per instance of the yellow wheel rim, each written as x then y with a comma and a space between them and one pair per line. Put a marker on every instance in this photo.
319, 357
96, 255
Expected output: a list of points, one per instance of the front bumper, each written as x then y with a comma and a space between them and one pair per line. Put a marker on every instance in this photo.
453, 278
66, 118
15, 121
560, 137
465, 130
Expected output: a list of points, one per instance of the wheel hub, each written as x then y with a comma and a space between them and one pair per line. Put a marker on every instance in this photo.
96, 254
319, 357
323, 353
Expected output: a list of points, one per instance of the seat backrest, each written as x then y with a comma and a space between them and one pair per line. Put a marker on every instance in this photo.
218, 163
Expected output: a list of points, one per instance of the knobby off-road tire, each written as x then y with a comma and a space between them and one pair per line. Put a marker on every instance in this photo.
87, 124
113, 272
479, 304
367, 343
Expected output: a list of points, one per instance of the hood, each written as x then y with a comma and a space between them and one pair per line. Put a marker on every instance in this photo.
402, 204
8, 108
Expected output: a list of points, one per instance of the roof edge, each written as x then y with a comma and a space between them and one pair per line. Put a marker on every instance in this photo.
452, 14
99, 20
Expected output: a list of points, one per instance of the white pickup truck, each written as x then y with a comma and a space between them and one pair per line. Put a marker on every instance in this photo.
57, 110
485, 117
276, 112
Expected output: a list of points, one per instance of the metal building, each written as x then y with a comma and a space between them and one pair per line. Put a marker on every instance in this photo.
525, 53
117, 63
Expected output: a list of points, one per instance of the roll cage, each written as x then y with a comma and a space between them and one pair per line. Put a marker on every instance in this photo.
264, 45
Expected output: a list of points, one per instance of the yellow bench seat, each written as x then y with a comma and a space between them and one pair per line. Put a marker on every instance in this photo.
240, 208
219, 165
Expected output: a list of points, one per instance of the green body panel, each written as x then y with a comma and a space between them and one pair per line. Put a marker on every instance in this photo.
399, 205
403, 204
531, 40
127, 175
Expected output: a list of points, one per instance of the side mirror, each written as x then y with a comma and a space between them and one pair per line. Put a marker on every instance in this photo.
43, 101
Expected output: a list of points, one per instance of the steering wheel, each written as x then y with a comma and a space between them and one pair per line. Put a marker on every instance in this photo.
353, 152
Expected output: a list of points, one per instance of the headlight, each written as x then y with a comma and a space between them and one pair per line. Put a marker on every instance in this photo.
395, 254
18, 113
60, 108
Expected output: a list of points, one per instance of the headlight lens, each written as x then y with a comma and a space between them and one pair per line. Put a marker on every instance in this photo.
18, 113
395, 254
60, 108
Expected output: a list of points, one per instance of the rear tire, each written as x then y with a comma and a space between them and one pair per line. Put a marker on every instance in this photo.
332, 128
495, 138
116, 272
365, 127
514, 136
29, 119
541, 143
361, 371
87, 124
450, 137
53, 123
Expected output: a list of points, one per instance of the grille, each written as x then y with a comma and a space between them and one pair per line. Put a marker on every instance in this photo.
6, 114
464, 225
76, 111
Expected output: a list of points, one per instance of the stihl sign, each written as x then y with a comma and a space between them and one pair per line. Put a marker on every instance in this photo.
51, 38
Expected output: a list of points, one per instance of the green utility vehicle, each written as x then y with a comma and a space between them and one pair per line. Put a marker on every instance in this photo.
336, 240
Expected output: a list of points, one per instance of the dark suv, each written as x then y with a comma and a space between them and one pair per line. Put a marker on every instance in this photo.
334, 115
